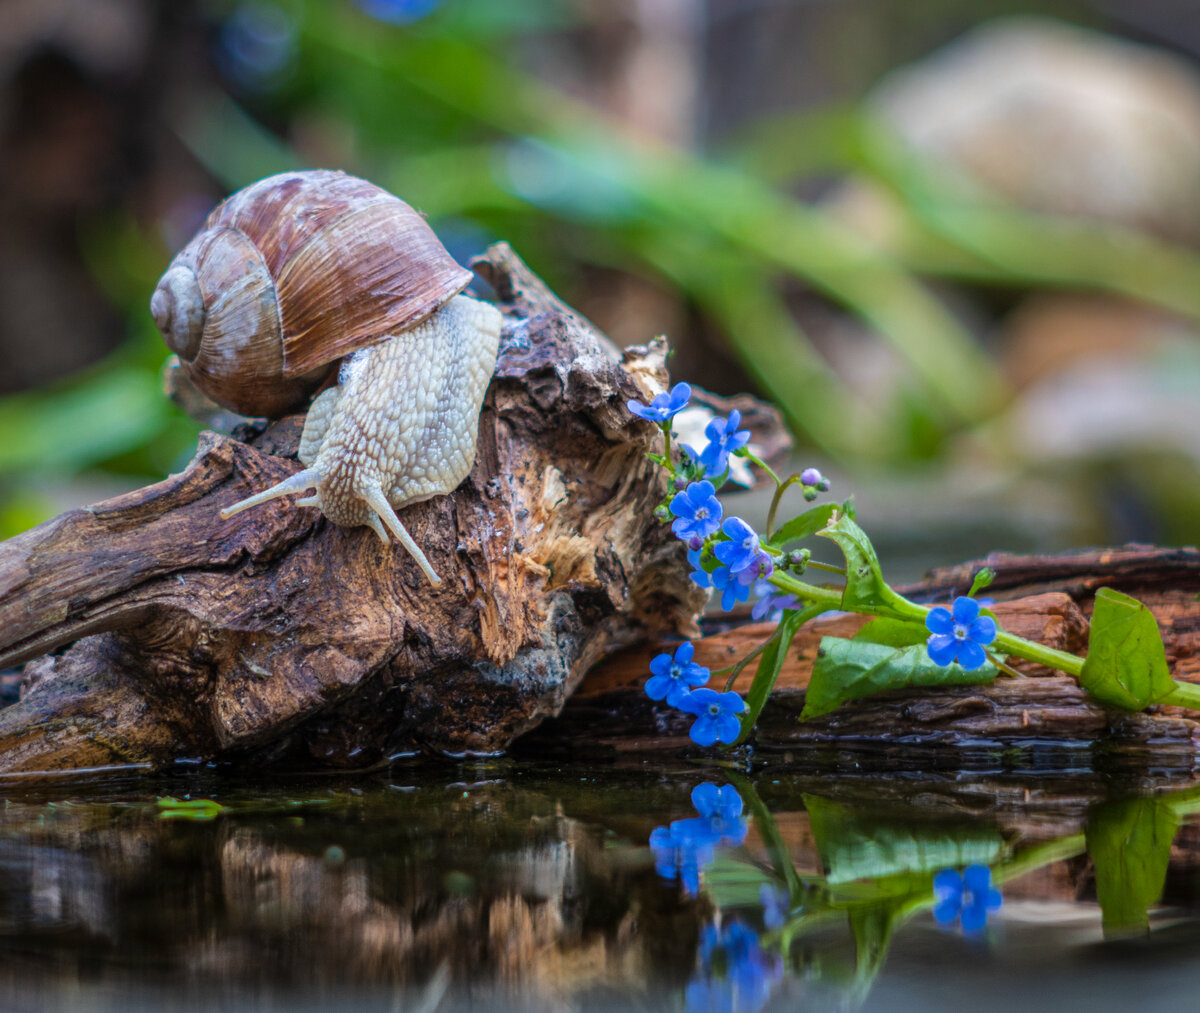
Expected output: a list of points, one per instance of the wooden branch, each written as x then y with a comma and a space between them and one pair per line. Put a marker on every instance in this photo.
275, 634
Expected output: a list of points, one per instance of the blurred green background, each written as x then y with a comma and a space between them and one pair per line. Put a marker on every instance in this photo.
954, 240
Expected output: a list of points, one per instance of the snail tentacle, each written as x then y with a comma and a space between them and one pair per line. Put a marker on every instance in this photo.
376, 500
299, 482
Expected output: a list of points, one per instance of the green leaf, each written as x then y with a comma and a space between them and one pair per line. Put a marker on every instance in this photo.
852, 669
771, 662
866, 589
808, 523
893, 632
1130, 845
856, 846
1126, 665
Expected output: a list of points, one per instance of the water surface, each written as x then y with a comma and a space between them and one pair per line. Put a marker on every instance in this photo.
508, 885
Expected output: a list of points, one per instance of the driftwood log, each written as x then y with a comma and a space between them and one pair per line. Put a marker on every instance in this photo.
156, 632
276, 634
1042, 598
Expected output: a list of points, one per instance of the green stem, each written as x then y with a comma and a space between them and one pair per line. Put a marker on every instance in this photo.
666, 431
737, 669
754, 458
779, 489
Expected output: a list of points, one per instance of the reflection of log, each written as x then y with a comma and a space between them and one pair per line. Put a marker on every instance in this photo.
277, 634
610, 713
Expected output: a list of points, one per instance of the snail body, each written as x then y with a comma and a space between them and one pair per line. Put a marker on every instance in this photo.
307, 274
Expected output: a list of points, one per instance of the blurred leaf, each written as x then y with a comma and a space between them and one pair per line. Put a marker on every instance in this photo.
65, 429
1129, 843
852, 669
1126, 664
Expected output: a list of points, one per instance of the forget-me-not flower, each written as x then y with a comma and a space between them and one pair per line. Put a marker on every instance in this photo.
681, 849
697, 511
743, 547
716, 715
969, 896
672, 678
724, 438
959, 633
736, 975
722, 807
664, 406
733, 590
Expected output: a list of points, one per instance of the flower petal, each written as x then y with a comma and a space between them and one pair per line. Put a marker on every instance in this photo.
945, 912
728, 727
965, 610
978, 879
659, 686
982, 630
684, 652
974, 918
940, 621
706, 799
970, 654
703, 731
942, 648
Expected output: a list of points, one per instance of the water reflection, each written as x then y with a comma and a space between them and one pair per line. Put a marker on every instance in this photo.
508, 886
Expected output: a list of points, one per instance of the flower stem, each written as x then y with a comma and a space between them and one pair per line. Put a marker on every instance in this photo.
666, 431
762, 464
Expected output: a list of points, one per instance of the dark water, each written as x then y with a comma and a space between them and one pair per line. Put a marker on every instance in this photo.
511, 886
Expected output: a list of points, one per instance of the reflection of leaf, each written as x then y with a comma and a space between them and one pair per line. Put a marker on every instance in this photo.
1130, 845
858, 847
851, 669
731, 882
188, 808
1126, 665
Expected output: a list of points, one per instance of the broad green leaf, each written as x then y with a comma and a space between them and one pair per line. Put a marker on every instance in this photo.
1130, 845
852, 669
865, 587
808, 523
893, 632
1126, 665
893, 858
771, 662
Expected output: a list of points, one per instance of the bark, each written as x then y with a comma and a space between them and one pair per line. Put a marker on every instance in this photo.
274, 633
1050, 599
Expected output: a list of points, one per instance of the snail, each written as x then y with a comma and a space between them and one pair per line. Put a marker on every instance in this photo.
306, 278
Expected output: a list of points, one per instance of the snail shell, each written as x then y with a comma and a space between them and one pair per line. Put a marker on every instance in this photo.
289, 276
302, 271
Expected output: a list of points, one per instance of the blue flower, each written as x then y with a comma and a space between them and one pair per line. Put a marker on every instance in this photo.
743, 547
724, 438
397, 12
959, 636
733, 590
672, 678
716, 715
700, 576
770, 605
681, 849
664, 406
697, 511
969, 896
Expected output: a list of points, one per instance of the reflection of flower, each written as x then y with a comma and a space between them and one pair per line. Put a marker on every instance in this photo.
969, 896
959, 633
684, 847
672, 678
735, 975
776, 904
716, 715
664, 406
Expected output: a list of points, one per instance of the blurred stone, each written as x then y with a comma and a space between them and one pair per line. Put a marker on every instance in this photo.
1060, 120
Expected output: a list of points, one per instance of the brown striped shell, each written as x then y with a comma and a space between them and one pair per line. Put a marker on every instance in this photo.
290, 275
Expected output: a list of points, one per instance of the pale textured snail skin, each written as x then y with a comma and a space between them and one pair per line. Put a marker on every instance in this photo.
400, 426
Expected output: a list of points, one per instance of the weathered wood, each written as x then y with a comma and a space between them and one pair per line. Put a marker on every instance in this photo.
275, 633
610, 714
